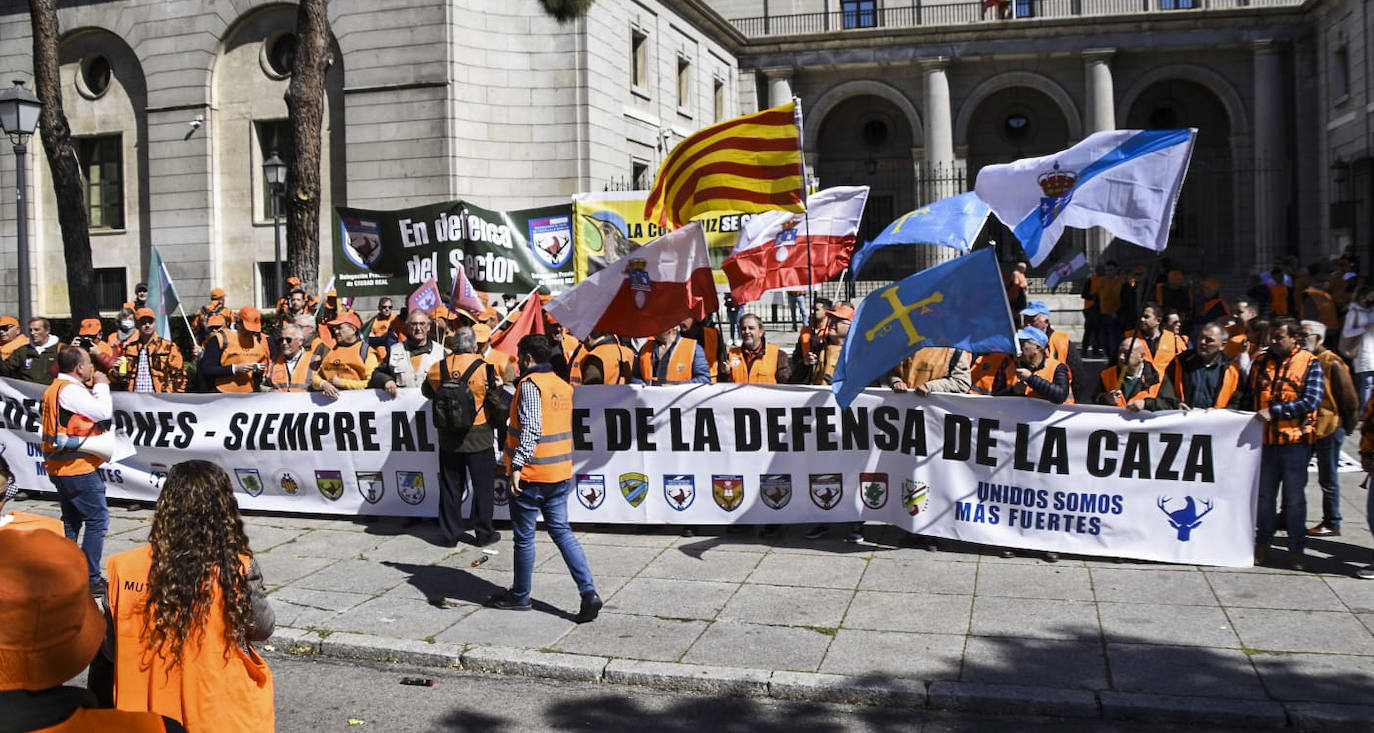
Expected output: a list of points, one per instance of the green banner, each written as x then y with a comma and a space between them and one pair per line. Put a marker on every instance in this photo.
394, 252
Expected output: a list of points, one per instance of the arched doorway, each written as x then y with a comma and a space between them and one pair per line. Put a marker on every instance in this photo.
867, 141
1012, 123
1203, 231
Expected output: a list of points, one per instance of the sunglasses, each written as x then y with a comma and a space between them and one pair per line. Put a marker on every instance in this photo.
291, 338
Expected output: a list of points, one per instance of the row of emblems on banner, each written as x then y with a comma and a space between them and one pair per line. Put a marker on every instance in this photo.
372, 485
729, 490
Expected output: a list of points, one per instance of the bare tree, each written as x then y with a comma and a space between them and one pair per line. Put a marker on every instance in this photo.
305, 105
67, 181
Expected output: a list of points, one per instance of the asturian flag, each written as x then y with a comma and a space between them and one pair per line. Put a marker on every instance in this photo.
772, 249
1125, 181
644, 293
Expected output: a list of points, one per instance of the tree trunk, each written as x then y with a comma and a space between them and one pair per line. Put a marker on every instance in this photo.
305, 104
67, 181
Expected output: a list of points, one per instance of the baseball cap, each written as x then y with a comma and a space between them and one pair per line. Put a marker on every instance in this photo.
844, 313
141, 286
349, 317
50, 626
293, 281
142, 313
1036, 308
9, 321
1031, 333
89, 327
250, 319
482, 332
217, 294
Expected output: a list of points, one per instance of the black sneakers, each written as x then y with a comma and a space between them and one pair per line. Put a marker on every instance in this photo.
507, 602
591, 606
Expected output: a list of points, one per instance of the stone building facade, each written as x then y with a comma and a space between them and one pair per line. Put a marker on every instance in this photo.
178, 103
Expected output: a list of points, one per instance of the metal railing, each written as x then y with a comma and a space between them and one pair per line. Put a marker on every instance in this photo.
976, 11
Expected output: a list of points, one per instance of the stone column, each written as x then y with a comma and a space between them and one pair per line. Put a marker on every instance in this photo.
1269, 153
939, 179
779, 85
1100, 115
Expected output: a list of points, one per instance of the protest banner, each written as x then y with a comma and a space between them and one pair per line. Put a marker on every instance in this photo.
608, 226
1013, 472
393, 252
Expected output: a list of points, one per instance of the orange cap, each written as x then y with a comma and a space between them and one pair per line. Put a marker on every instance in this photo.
440, 312
844, 313
52, 626
332, 293
293, 281
250, 319
483, 332
9, 321
217, 294
142, 313
349, 317
89, 327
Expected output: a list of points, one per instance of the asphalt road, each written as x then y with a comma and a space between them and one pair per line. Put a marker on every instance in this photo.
320, 695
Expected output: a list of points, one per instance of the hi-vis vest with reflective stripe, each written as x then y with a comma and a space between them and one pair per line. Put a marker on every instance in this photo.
1274, 382
284, 380
102, 721
610, 354
764, 370
217, 687
679, 362
57, 421
552, 458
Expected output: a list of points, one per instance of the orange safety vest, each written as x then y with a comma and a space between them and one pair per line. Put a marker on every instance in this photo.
345, 362
15, 344
99, 721
989, 366
929, 363
1059, 351
234, 352
1273, 382
552, 458
710, 343
679, 362
764, 370
1325, 307
378, 326
1170, 345
570, 345
610, 354
282, 379
825, 365
1278, 297
458, 365
1230, 381
57, 421
1111, 379
217, 686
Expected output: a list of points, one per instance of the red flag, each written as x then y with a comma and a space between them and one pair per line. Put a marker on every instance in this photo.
464, 295
646, 292
425, 298
531, 320
772, 250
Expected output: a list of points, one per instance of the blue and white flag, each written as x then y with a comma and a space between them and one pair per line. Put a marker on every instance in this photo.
951, 222
960, 303
1125, 181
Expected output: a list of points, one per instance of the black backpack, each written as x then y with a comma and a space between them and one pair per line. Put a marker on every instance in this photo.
455, 408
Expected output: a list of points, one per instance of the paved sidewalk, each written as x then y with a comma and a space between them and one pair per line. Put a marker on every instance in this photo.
877, 622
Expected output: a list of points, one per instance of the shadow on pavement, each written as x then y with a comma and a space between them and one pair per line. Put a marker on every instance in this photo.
440, 584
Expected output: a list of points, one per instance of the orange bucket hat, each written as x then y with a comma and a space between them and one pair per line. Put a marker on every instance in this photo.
50, 626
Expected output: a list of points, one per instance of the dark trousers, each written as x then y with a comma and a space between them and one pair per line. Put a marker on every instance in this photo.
455, 469
1283, 468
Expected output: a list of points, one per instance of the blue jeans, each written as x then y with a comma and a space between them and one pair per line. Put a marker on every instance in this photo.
1284, 465
82, 499
552, 500
796, 305
1364, 387
1328, 459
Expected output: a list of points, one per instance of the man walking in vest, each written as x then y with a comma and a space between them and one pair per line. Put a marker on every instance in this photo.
71, 413
1335, 419
469, 454
1286, 385
539, 461
755, 361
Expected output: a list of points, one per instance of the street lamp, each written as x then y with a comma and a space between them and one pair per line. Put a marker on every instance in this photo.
19, 110
274, 173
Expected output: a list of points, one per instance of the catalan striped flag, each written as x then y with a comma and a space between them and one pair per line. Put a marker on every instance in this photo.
750, 164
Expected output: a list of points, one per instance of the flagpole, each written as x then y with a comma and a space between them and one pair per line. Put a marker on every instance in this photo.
806, 216
502, 322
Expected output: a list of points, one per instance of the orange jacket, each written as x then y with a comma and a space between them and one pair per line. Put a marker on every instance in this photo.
101, 721
165, 365
217, 686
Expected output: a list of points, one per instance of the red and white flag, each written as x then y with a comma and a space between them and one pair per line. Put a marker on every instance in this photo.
772, 249
464, 295
644, 293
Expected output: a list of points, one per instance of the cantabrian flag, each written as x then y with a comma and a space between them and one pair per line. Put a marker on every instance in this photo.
750, 164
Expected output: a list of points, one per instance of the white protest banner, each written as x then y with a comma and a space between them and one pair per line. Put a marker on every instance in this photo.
1174, 487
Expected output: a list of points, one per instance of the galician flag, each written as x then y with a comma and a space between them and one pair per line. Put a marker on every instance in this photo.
772, 249
162, 294
644, 293
1125, 181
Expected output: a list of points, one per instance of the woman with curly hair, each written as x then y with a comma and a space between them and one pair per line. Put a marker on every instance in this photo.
185, 609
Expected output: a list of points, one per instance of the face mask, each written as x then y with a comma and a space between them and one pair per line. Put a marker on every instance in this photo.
126, 325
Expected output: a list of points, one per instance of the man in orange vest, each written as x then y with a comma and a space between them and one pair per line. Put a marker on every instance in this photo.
755, 361
931, 369
812, 336
1160, 346
53, 629
235, 360
1318, 305
467, 454
1032, 373
292, 369
538, 456
152, 363
11, 338
821, 362
1061, 348
200, 323
72, 413
1286, 386
1336, 417
711, 343
603, 361
377, 330
1203, 378
670, 358
1133, 382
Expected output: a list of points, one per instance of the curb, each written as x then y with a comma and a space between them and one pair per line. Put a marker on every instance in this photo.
831, 688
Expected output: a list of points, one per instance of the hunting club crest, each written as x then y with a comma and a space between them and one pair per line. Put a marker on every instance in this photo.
728, 491
827, 489
634, 487
330, 484
410, 486
249, 481
680, 490
371, 485
873, 489
591, 489
914, 496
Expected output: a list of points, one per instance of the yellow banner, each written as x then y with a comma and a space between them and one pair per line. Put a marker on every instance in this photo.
608, 226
